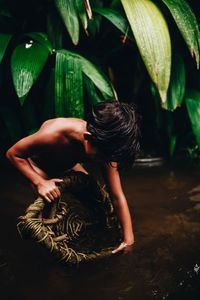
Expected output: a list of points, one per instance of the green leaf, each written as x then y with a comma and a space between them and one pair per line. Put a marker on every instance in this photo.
70, 68
176, 89
192, 99
152, 37
4, 41
95, 74
82, 13
27, 62
68, 86
74, 87
97, 77
68, 12
92, 94
41, 38
115, 17
187, 24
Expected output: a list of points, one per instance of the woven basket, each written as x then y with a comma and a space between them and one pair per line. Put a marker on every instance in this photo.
81, 226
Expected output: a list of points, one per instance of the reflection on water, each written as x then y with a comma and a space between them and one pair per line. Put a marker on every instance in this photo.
164, 263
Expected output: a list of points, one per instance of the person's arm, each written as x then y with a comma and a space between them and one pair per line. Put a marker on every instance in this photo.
120, 203
18, 155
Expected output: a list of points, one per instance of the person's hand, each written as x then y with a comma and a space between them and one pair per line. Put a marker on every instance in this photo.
126, 248
48, 189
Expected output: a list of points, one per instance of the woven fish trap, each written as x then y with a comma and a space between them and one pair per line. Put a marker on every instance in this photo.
81, 226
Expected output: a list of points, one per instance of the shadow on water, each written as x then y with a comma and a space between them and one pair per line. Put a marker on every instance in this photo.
164, 263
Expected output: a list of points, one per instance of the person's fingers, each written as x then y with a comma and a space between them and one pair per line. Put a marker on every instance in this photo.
50, 196
57, 180
58, 193
47, 199
120, 248
54, 193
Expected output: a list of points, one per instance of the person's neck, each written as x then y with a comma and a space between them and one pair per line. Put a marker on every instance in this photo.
78, 136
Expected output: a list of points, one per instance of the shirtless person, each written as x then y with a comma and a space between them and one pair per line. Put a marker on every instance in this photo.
109, 137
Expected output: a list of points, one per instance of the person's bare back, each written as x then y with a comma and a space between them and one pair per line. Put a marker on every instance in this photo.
58, 145
62, 147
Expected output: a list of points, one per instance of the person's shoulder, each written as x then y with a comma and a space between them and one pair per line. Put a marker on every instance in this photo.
60, 121
60, 127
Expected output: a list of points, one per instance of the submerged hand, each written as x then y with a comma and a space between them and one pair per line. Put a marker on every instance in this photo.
48, 189
123, 247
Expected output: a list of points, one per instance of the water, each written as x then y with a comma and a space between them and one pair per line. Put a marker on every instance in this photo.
164, 263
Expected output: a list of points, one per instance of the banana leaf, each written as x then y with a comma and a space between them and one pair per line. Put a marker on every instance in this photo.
4, 41
68, 12
176, 89
116, 18
192, 100
187, 24
152, 37
68, 86
27, 62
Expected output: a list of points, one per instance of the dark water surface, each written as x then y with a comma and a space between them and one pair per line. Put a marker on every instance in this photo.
164, 263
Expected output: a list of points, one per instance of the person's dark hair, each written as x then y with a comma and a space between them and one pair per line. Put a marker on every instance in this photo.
115, 131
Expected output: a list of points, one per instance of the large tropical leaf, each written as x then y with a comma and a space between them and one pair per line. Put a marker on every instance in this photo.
91, 91
115, 17
41, 38
68, 12
176, 89
27, 62
187, 24
70, 68
95, 74
82, 13
97, 77
192, 99
68, 86
152, 37
4, 41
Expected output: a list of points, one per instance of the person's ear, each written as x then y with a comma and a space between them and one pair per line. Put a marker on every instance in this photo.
87, 135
